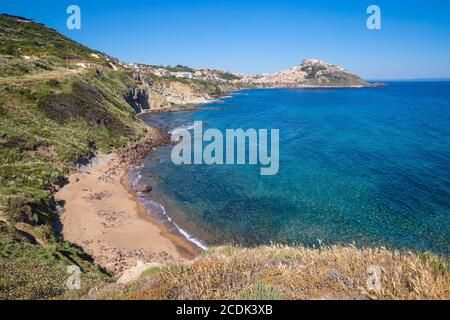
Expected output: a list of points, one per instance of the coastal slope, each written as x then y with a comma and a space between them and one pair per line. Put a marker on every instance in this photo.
61, 104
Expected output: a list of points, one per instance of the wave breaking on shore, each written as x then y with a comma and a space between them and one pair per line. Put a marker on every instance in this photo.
157, 210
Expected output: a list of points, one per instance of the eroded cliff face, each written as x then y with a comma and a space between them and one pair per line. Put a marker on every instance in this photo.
163, 94
179, 93
139, 99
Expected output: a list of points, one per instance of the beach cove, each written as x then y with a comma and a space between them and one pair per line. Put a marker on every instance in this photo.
101, 216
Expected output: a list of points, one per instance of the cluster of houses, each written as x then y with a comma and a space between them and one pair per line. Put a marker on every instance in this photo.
159, 71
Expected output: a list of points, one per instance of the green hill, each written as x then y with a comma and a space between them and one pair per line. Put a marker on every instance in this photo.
53, 114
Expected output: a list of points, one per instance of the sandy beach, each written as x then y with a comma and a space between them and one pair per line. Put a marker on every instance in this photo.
101, 216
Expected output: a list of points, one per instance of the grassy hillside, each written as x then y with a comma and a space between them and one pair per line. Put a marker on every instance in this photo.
59, 103
53, 114
24, 38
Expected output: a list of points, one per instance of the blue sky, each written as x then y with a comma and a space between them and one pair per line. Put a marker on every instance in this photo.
260, 36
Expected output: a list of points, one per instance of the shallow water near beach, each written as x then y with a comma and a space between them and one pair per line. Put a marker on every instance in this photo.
365, 166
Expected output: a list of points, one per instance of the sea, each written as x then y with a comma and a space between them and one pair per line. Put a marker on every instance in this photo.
368, 167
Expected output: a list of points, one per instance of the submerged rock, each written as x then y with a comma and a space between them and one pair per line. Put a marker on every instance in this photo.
140, 185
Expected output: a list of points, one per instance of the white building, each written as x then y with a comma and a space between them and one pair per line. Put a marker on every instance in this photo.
188, 75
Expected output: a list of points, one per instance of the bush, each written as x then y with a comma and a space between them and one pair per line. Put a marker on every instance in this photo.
261, 291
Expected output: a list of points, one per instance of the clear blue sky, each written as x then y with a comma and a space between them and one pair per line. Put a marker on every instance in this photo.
260, 36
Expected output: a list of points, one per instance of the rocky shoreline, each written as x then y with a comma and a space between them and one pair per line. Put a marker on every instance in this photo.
133, 154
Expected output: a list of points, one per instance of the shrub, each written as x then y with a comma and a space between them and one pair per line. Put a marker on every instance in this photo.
260, 291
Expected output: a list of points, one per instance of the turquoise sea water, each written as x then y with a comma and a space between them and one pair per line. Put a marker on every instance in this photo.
365, 166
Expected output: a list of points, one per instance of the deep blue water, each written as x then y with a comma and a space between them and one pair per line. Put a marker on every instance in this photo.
365, 166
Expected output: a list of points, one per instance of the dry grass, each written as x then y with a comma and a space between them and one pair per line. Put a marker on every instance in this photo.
278, 272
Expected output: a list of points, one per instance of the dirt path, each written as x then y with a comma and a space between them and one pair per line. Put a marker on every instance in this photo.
56, 74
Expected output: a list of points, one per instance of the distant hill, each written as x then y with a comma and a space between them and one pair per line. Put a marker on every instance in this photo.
310, 73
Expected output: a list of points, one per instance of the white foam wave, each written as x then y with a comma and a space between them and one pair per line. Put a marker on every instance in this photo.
176, 133
187, 235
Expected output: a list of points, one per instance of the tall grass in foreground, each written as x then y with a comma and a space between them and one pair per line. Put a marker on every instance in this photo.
281, 272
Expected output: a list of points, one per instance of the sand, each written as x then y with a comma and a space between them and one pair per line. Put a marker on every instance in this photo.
101, 216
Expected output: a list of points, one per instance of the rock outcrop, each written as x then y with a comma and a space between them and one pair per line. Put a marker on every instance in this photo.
159, 94
139, 96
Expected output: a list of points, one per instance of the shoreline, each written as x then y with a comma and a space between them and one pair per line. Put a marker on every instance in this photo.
228, 94
159, 210
187, 248
102, 215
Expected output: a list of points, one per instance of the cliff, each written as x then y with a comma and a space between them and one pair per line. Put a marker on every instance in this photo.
173, 88
170, 88
60, 103
160, 94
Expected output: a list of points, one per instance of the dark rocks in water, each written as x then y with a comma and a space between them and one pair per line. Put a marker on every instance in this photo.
142, 187
142, 184
134, 153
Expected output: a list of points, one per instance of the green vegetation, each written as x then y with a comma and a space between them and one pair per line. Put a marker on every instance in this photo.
320, 75
228, 76
260, 291
59, 103
439, 264
46, 127
21, 38
30, 271
179, 68
50, 119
